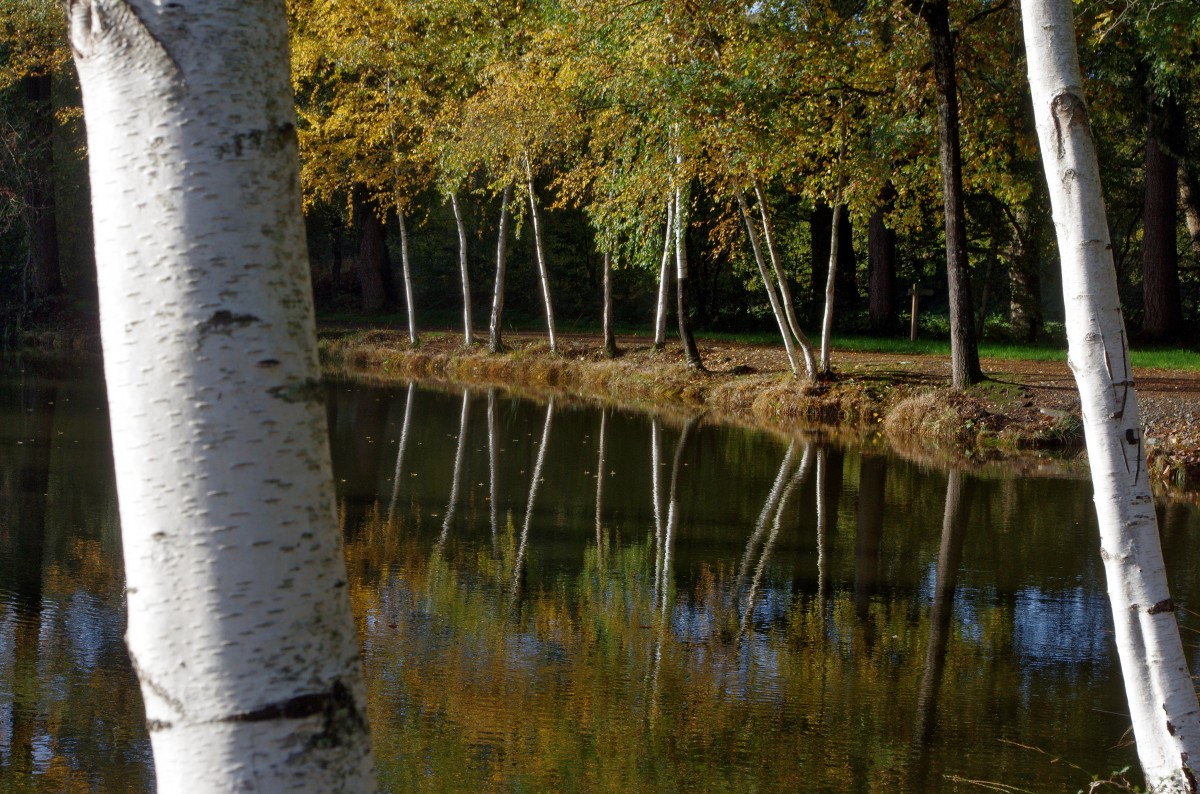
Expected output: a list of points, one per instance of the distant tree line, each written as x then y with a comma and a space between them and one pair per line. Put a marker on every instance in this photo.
714, 141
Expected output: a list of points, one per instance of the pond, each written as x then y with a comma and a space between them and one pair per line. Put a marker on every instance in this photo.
553, 596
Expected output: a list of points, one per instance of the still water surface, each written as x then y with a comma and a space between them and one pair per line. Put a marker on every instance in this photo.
556, 597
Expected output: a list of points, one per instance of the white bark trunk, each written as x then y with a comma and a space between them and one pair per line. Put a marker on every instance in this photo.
464, 271
1162, 698
806, 348
540, 256
495, 340
240, 628
827, 319
664, 278
768, 284
408, 287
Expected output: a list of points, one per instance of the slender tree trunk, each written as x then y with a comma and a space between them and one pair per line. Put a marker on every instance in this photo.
690, 351
768, 284
464, 271
964, 346
1158, 684
408, 285
881, 252
610, 336
540, 255
1163, 318
1026, 318
1189, 203
664, 279
372, 257
240, 626
830, 286
495, 341
785, 292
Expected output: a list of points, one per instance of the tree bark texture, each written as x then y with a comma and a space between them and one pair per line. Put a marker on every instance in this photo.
964, 347
543, 271
464, 272
768, 284
664, 279
882, 306
240, 629
407, 271
1163, 317
495, 328
682, 304
1158, 684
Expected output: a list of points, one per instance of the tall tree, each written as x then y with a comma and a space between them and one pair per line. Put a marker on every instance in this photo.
1163, 318
964, 347
240, 627
1158, 683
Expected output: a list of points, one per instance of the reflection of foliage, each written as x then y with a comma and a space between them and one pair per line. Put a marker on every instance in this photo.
584, 685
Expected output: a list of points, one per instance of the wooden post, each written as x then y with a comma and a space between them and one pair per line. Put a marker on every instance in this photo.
916, 294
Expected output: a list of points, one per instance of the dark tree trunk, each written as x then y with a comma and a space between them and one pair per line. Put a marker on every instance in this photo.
1163, 318
373, 268
1189, 203
964, 347
610, 336
44, 278
1024, 280
820, 226
846, 278
881, 254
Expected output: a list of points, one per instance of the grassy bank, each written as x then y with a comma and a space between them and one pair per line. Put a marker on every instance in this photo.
908, 407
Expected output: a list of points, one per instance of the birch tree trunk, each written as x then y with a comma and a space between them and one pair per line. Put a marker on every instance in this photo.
240, 627
830, 284
785, 292
664, 279
690, 352
768, 284
495, 342
408, 287
464, 270
1162, 699
540, 256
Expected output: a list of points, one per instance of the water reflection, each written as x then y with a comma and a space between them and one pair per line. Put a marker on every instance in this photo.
69, 706
637, 602
553, 597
